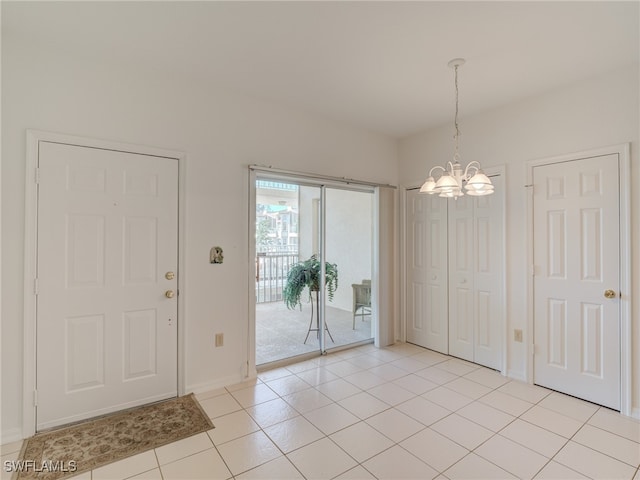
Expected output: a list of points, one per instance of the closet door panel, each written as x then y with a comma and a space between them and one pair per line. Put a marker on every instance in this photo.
489, 261
461, 278
427, 299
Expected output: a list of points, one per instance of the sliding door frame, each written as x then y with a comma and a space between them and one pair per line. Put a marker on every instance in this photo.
257, 172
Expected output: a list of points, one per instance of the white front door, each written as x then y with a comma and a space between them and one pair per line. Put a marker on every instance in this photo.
476, 269
426, 247
107, 240
576, 260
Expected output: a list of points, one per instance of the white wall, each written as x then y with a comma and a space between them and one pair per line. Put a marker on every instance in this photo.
221, 133
599, 112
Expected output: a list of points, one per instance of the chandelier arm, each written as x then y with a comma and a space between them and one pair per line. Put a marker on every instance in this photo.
473, 164
450, 165
437, 166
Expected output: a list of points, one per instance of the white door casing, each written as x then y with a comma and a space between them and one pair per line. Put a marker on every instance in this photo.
426, 268
576, 257
107, 235
476, 277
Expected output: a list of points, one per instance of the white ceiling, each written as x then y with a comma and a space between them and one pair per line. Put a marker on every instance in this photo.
380, 65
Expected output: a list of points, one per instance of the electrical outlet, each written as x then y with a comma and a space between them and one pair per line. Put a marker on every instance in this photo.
219, 339
517, 335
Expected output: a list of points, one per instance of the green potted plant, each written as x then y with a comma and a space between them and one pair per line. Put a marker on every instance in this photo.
306, 274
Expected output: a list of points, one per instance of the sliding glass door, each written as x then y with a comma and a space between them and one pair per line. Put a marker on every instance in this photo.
349, 246
313, 257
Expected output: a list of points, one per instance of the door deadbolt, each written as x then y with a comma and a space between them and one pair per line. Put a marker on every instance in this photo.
610, 294
169, 275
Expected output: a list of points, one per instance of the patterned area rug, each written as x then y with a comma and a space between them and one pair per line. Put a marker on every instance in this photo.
72, 450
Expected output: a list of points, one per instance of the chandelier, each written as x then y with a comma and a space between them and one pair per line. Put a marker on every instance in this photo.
454, 180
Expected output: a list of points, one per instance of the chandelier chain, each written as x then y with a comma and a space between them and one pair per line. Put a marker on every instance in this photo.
456, 180
456, 115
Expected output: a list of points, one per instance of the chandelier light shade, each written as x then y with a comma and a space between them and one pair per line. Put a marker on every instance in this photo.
454, 181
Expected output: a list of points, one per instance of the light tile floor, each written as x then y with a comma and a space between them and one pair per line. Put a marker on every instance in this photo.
401, 412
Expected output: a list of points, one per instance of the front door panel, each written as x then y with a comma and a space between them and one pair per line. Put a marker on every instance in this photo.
107, 235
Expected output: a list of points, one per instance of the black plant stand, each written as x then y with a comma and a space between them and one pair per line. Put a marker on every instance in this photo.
317, 329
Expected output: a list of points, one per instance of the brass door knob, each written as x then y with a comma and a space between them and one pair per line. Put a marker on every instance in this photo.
169, 294
610, 294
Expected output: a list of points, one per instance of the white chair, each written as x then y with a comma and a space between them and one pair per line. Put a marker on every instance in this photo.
361, 300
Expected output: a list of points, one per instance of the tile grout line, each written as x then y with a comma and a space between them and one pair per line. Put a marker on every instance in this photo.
587, 446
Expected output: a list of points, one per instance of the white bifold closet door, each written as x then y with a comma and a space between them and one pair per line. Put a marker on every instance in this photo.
427, 270
476, 270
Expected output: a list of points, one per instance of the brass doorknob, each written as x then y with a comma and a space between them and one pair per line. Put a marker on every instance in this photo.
610, 294
169, 294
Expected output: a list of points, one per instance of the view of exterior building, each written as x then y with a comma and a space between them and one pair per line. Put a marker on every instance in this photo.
276, 237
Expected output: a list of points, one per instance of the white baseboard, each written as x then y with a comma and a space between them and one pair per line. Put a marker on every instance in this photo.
635, 413
11, 435
516, 376
215, 384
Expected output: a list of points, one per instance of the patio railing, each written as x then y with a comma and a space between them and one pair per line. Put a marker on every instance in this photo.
271, 275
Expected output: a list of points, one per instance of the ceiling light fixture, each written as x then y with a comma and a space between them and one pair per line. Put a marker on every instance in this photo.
453, 177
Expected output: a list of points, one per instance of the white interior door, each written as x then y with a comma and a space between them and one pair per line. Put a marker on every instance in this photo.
427, 300
107, 238
476, 269
461, 279
577, 258
489, 255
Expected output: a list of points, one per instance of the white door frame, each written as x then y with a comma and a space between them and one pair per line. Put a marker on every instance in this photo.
497, 170
34, 137
622, 150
